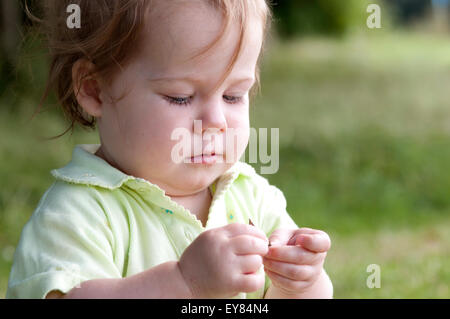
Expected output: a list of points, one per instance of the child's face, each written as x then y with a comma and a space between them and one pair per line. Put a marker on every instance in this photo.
136, 130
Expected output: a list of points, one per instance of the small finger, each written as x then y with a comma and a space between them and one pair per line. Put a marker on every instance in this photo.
236, 229
303, 231
314, 242
249, 264
290, 271
281, 236
294, 255
249, 282
286, 284
307, 230
246, 244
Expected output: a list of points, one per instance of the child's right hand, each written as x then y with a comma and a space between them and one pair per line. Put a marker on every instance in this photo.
224, 261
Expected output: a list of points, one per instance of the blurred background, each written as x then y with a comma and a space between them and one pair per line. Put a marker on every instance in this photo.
364, 121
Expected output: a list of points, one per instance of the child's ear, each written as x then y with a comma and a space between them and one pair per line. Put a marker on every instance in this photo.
86, 87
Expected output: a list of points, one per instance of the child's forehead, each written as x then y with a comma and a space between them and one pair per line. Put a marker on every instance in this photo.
181, 27
174, 34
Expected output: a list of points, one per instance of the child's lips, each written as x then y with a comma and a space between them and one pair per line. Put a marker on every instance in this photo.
205, 159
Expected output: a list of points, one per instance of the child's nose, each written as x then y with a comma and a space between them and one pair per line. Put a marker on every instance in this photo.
213, 117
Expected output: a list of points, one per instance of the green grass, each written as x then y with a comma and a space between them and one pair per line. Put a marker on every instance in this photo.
413, 262
364, 153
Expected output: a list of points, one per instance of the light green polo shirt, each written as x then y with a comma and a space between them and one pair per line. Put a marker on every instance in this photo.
97, 222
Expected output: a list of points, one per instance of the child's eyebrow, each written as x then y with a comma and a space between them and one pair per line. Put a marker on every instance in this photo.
250, 80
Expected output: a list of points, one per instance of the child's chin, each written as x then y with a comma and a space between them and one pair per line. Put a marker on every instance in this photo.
200, 179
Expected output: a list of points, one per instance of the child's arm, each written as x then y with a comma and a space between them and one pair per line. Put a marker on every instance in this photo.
219, 263
162, 281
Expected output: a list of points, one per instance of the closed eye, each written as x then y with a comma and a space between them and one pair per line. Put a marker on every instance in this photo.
233, 99
184, 101
178, 100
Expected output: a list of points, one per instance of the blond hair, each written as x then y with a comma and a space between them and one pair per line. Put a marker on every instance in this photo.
110, 31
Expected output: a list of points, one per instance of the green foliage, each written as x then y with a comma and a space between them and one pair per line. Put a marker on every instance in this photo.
26, 79
333, 17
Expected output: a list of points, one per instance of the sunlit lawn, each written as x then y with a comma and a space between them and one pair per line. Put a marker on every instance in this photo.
364, 150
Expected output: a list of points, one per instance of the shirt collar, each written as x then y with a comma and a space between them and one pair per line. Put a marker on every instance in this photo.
89, 169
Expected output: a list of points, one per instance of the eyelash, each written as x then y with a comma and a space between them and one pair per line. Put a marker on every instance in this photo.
186, 100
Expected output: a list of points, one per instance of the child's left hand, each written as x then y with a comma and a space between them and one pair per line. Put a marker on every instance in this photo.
295, 258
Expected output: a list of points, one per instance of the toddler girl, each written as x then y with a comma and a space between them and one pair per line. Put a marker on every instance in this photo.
125, 220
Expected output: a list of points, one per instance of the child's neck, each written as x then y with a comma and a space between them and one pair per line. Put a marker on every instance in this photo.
198, 204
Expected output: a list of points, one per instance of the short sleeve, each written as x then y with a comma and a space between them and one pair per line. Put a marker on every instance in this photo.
272, 213
66, 241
